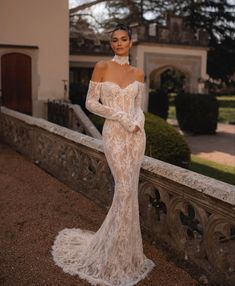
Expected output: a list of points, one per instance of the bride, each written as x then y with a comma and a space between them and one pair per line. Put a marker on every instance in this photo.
113, 255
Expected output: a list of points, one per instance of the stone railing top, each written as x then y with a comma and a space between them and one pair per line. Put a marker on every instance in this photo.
203, 184
200, 183
56, 129
86, 122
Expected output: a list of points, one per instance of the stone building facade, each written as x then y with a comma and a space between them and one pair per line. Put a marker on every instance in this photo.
155, 50
34, 53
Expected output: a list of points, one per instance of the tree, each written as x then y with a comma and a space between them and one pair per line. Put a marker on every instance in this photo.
81, 16
221, 61
136, 11
216, 17
81, 7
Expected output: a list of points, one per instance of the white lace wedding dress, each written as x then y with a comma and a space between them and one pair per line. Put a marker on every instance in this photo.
113, 255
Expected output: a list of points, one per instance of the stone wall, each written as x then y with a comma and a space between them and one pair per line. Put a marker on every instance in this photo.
193, 214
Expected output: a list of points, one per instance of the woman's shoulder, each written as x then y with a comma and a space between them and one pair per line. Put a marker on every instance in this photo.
139, 75
101, 65
99, 70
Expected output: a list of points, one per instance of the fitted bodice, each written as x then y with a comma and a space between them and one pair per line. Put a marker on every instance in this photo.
122, 99
109, 100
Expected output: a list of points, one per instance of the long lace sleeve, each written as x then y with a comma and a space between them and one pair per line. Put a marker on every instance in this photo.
93, 105
139, 115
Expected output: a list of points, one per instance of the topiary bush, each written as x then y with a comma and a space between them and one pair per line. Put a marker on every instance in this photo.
163, 141
159, 103
197, 113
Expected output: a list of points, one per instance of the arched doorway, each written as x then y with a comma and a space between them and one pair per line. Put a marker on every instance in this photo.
164, 81
170, 75
17, 82
172, 81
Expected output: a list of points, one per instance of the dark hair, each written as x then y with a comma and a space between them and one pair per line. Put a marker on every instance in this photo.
123, 27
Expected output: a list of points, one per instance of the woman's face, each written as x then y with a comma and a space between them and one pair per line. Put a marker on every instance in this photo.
121, 43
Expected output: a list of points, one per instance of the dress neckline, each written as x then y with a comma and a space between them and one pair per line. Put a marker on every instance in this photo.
121, 60
114, 83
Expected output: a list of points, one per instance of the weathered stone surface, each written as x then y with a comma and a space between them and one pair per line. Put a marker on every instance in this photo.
55, 129
206, 185
192, 213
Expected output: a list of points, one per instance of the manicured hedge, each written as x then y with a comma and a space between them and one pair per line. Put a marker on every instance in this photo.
159, 103
163, 141
197, 113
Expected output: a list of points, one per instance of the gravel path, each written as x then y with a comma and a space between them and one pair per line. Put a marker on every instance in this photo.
34, 206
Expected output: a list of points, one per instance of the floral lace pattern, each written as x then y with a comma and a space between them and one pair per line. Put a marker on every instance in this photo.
112, 256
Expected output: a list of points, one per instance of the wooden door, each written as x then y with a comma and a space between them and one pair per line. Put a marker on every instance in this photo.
17, 82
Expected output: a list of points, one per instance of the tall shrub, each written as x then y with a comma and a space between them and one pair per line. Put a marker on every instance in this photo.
159, 103
197, 113
164, 142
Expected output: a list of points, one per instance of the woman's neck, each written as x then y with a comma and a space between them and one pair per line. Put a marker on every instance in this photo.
121, 60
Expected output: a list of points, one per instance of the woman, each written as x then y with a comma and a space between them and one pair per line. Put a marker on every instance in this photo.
114, 254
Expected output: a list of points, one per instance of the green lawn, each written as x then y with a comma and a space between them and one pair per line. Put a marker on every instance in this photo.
212, 169
226, 114
226, 97
171, 112
206, 167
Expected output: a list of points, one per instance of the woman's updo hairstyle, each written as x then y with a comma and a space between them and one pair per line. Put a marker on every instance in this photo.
123, 27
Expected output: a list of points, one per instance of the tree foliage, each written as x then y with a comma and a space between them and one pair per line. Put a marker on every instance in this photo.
216, 17
221, 61
136, 11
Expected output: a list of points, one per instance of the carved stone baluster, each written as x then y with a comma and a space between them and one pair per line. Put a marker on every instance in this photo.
220, 246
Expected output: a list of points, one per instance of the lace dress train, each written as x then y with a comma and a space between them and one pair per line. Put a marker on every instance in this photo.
113, 255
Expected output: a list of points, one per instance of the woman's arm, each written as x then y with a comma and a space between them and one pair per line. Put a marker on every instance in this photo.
139, 115
93, 104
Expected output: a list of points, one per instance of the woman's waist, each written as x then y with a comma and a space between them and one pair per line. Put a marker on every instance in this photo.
118, 107
114, 126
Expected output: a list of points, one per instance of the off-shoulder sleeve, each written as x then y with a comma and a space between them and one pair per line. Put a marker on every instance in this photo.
93, 105
139, 114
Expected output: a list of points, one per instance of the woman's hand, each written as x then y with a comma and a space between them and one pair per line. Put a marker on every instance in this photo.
136, 129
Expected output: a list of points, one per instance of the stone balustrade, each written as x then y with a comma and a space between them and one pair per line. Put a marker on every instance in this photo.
71, 116
192, 213
80, 122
